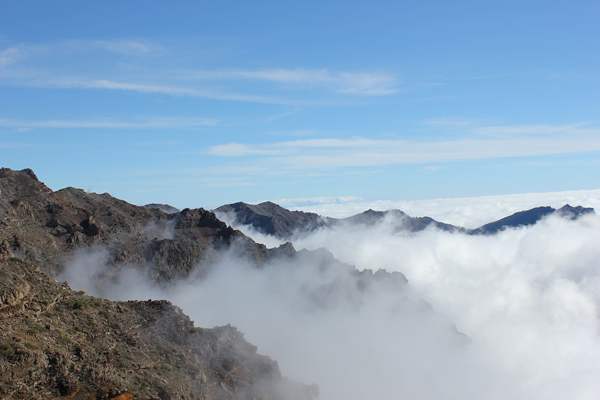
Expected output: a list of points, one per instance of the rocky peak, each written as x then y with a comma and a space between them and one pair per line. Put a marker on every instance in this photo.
272, 219
573, 213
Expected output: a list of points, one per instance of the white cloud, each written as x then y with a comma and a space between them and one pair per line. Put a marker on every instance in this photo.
239, 150
364, 84
527, 298
172, 90
9, 56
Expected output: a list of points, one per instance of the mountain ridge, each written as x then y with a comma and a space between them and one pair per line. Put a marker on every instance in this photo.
270, 219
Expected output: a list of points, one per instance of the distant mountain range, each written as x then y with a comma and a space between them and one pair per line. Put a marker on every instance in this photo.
272, 219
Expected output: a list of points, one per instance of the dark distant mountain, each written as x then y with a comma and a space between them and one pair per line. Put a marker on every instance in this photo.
272, 219
530, 217
167, 209
402, 221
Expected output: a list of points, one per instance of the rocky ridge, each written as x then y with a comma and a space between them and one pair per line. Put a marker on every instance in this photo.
46, 227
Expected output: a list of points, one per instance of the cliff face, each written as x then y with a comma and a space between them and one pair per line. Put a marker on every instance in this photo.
58, 343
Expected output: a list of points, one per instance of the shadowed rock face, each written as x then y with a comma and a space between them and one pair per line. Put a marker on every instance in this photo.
56, 343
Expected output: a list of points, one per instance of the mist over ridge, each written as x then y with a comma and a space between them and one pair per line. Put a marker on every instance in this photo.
469, 212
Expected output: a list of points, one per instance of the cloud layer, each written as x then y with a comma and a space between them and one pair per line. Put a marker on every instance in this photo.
527, 299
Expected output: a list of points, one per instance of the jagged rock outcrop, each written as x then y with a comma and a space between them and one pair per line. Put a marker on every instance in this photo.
56, 343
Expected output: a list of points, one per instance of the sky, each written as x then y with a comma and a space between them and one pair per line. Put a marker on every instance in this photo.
204, 103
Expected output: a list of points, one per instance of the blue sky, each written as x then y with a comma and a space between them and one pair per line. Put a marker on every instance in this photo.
198, 104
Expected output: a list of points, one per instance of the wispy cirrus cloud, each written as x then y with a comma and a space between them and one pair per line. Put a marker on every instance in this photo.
146, 67
131, 47
364, 84
151, 123
172, 90
516, 141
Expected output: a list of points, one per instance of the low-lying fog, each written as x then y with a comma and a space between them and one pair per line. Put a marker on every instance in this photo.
526, 298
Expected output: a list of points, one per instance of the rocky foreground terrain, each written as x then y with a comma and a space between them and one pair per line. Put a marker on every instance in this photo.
56, 343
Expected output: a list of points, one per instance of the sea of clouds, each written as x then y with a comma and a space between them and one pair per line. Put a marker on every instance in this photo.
526, 298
